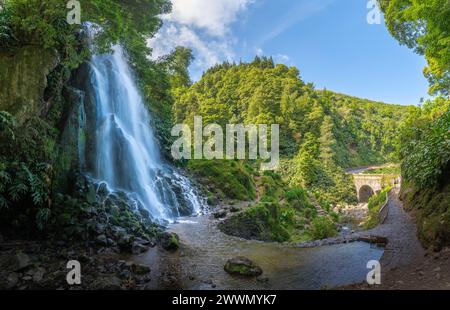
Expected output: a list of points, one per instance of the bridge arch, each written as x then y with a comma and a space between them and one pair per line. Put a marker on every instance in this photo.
369, 184
365, 192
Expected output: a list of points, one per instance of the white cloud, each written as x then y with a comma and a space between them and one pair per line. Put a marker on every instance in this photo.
214, 16
283, 59
204, 26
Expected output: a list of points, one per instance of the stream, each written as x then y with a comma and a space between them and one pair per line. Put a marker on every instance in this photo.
204, 251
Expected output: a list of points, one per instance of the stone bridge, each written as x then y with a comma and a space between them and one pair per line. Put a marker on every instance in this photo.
368, 185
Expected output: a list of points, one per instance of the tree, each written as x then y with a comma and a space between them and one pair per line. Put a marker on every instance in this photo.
177, 65
425, 27
327, 141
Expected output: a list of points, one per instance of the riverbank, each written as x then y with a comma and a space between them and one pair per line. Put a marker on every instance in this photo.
405, 264
204, 250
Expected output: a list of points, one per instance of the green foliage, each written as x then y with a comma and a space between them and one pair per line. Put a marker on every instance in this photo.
20, 183
224, 178
425, 27
425, 147
393, 170
322, 227
297, 198
375, 204
431, 207
42, 218
261, 222
321, 132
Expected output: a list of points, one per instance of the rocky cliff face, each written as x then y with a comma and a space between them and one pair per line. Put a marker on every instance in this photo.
23, 77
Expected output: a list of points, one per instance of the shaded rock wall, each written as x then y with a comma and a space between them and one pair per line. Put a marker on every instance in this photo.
23, 79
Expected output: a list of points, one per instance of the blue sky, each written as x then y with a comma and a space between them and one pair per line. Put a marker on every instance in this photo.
330, 41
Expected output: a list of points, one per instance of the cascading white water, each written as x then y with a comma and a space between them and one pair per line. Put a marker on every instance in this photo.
127, 156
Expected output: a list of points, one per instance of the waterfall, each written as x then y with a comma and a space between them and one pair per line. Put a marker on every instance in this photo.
127, 157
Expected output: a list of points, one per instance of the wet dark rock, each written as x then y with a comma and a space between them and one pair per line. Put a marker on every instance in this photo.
262, 279
9, 281
140, 269
169, 241
38, 275
220, 214
108, 282
242, 266
102, 240
21, 261
126, 242
138, 248
118, 231
100, 228
144, 212
234, 209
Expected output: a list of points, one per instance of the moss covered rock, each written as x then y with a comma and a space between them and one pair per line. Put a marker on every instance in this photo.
169, 241
242, 266
261, 222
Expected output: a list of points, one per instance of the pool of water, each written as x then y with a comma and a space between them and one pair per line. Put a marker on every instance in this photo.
204, 251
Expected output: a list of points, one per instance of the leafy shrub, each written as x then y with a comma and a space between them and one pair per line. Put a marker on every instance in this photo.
298, 198
375, 204
322, 228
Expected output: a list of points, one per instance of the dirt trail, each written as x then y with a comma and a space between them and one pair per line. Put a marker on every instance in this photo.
405, 264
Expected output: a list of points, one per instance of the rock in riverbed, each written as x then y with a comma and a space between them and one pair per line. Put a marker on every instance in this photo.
21, 261
242, 266
169, 241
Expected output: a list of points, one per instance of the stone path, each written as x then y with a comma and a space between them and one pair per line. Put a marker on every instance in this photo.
403, 246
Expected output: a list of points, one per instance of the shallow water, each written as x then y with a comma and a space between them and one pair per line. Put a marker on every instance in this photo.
205, 250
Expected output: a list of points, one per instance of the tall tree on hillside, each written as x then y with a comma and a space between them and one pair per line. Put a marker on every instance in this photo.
327, 141
177, 64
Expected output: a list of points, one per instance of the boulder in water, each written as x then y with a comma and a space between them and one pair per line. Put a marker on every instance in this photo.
140, 269
169, 241
242, 266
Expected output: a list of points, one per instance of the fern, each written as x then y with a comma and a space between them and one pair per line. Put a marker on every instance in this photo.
5, 179
4, 203
17, 191
42, 217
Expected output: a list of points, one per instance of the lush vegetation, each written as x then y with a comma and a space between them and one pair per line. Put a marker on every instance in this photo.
424, 26
321, 132
391, 169
424, 140
280, 213
376, 202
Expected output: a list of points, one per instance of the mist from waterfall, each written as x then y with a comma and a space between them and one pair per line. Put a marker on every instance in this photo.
127, 155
